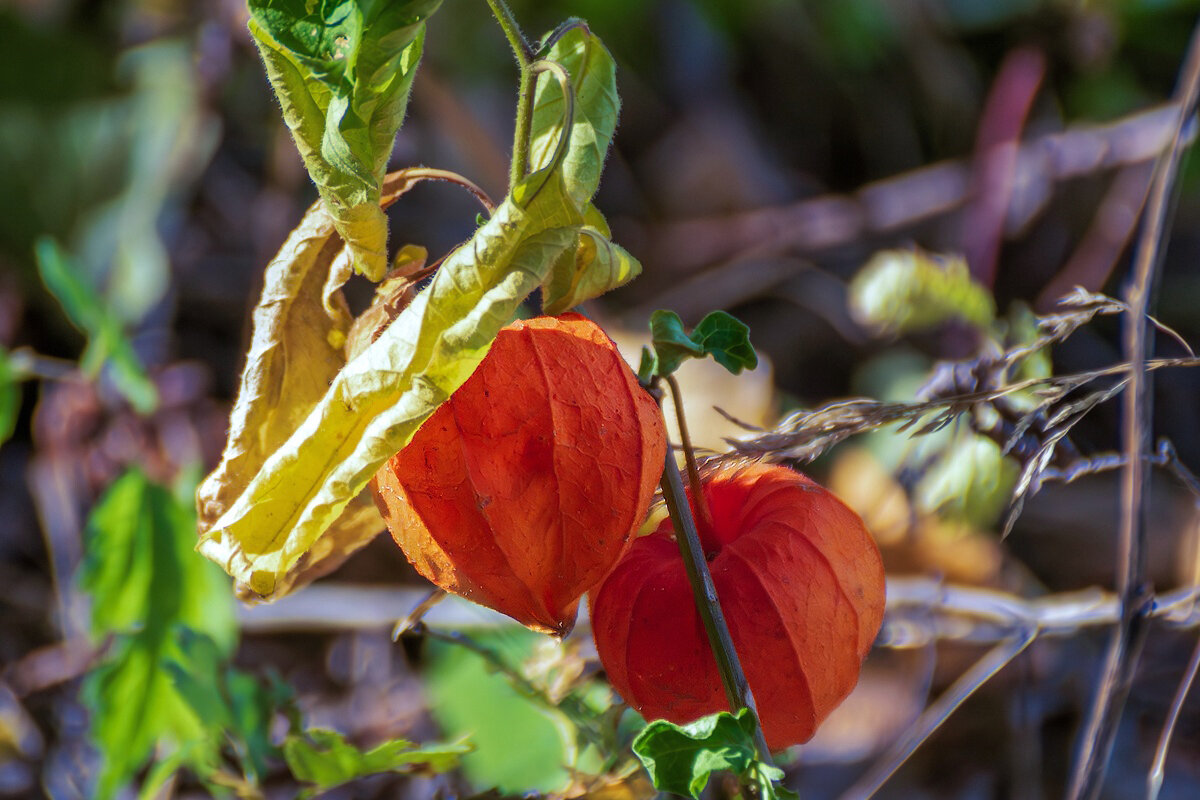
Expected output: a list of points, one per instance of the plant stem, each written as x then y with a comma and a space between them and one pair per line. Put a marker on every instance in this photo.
733, 679
524, 124
512, 31
524, 127
699, 501
1137, 595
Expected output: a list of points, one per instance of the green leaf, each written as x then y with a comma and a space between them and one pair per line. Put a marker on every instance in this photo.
342, 70
325, 759
235, 704
719, 334
899, 291
470, 698
379, 399
595, 266
727, 339
146, 582
594, 81
671, 343
680, 758
107, 345
10, 397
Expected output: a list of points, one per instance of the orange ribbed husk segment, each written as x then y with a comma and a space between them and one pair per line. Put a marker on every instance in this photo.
801, 584
522, 490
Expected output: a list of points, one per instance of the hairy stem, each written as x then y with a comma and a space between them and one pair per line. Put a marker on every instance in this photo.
512, 31
524, 55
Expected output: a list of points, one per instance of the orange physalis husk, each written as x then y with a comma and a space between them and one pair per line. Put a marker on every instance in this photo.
800, 582
522, 490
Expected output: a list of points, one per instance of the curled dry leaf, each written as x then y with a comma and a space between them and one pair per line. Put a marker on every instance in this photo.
800, 582
377, 400
300, 328
272, 500
523, 489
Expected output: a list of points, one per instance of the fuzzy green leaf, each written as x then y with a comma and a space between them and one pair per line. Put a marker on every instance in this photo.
680, 758
342, 70
146, 582
378, 400
325, 759
595, 266
107, 345
594, 81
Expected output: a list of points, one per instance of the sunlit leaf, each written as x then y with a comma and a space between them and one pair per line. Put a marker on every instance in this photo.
906, 290
342, 70
325, 759
377, 401
107, 345
594, 82
146, 583
300, 329
596, 266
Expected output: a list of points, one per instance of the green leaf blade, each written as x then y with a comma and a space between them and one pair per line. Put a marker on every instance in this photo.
107, 344
681, 758
671, 343
727, 339
10, 397
594, 81
326, 759
343, 70
146, 584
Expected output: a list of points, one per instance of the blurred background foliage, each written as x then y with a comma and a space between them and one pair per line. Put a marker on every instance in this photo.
767, 150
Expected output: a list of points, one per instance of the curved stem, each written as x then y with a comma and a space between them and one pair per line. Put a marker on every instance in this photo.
524, 127
564, 82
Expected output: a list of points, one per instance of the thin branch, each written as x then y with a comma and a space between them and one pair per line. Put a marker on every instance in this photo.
938, 712
26, 364
1155, 779
737, 688
1099, 732
699, 501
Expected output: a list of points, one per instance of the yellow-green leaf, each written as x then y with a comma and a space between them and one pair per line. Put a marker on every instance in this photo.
300, 328
377, 401
594, 83
899, 291
595, 266
342, 70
